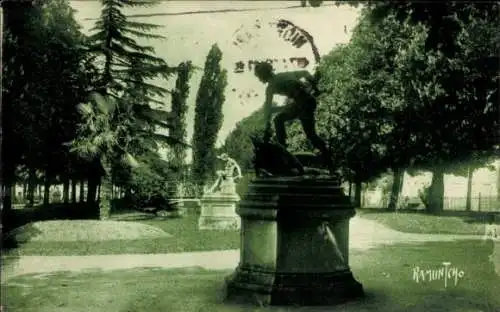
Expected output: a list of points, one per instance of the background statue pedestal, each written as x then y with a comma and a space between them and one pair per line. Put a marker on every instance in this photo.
218, 209
285, 257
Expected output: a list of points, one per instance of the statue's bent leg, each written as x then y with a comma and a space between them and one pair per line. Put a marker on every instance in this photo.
288, 113
309, 126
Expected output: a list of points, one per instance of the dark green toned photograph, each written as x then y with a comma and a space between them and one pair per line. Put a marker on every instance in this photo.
219, 156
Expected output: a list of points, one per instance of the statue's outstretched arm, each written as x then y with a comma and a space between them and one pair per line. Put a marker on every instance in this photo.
238, 169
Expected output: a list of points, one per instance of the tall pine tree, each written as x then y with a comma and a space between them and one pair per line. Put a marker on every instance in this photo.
177, 154
123, 118
208, 117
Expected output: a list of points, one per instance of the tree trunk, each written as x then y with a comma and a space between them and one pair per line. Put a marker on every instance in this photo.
3, 199
82, 191
73, 190
468, 203
46, 190
31, 187
25, 190
92, 183
498, 184
8, 187
357, 194
99, 191
401, 182
66, 191
39, 191
395, 189
436, 192
104, 197
93, 180
13, 194
7, 199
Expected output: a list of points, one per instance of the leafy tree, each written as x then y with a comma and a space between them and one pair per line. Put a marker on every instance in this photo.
17, 28
353, 119
498, 183
455, 93
208, 116
43, 47
238, 143
415, 105
69, 64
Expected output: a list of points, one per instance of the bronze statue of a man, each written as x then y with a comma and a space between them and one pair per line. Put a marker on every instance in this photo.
301, 105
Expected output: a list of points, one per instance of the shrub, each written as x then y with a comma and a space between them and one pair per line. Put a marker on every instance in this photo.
55, 196
19, 200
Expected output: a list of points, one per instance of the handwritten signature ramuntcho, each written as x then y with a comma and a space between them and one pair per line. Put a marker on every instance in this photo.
446, 273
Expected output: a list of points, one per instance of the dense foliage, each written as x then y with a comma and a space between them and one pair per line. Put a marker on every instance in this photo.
401, 103
177, 155
107, 120
208, 117
42, 47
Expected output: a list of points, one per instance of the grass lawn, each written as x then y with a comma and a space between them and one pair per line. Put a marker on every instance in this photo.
413, 222
184, 232
386, 273
185, 235
85, 230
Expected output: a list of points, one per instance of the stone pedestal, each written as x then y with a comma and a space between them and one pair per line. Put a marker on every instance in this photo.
286, 256
218, 211
228, 186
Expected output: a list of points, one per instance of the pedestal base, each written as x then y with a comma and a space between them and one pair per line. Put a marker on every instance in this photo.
294, 244
218, 212
219, 223
267, 288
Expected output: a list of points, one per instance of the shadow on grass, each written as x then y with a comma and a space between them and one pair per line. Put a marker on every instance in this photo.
136, 217
15, 218
72, 211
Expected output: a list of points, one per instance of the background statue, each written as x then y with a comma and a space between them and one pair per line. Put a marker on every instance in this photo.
225, 182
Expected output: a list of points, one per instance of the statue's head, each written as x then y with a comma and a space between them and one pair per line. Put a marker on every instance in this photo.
223, 157
263, 71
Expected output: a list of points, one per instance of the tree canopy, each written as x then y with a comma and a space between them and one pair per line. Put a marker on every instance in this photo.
396, 101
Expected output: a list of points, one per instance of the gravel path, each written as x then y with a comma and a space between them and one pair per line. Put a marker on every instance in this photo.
364, 234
